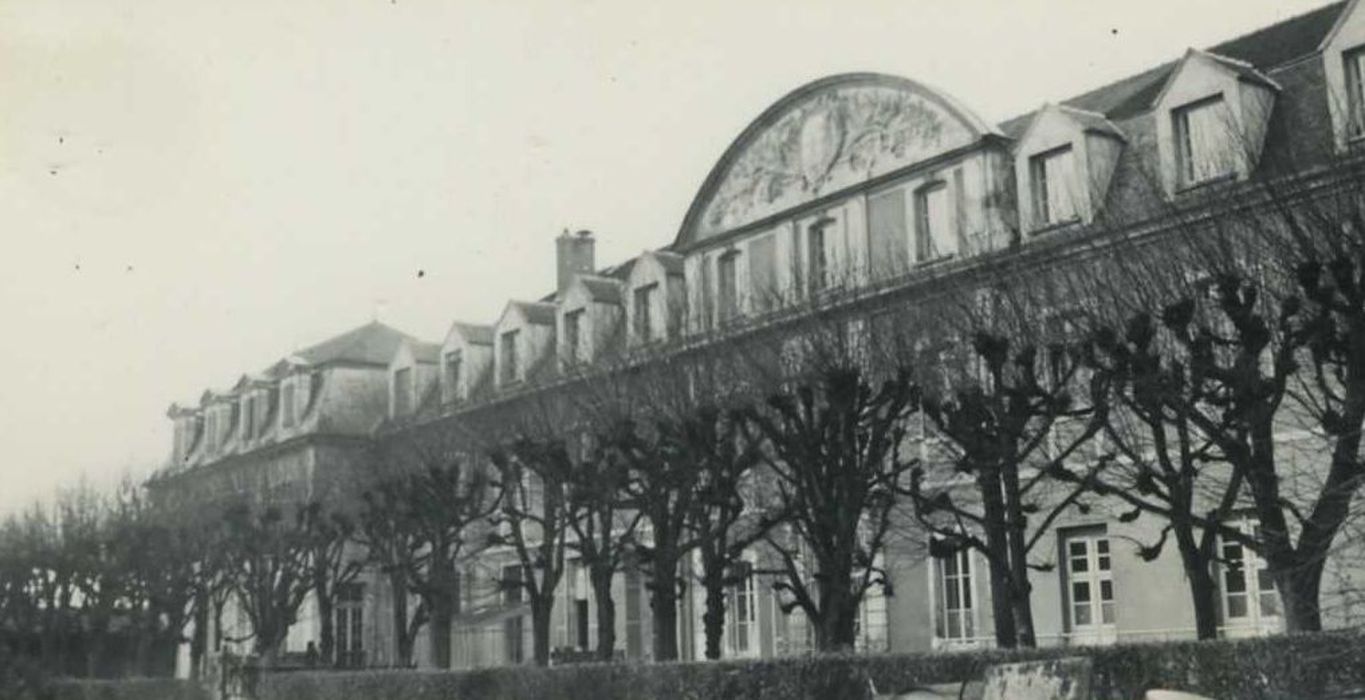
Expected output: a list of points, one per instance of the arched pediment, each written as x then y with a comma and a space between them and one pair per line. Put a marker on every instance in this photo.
823, 137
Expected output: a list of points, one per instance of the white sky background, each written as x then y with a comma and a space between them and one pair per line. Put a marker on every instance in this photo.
190, 190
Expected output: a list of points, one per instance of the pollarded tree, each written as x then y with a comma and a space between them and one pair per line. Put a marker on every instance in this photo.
534, 477
392, 544
833, 443
267, 554
332, 565
1005, 416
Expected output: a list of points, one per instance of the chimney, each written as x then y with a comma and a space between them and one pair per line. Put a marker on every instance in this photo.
574, 254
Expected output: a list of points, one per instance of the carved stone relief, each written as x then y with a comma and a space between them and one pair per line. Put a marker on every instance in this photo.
830, 140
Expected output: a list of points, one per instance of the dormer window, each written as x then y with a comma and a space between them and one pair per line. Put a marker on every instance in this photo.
573, 331
248, 417
643, 319
1203, 151
287, 404
1053, 176
935, 236
402, 391
1355, 91
451, 367
509, 357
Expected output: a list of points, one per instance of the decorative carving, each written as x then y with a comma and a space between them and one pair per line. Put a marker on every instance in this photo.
828, 141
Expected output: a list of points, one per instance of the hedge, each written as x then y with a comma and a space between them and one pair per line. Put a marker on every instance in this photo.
127, 689
1282, 667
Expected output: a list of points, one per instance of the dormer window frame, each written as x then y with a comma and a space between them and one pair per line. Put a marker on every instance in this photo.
1041, 189
248, 413
452, 367
574, 321
728, 309
508, 357
288, 403
642, 312
404, 391
1186, 175
1353, 71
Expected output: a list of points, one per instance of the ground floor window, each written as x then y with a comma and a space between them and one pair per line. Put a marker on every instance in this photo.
350, 625
1089, 589
743, 609
634, 615
1250, 599
954, 615
513, 639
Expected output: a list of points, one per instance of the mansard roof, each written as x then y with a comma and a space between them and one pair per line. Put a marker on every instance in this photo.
373, 344
1264, 48
473, 333
600, 288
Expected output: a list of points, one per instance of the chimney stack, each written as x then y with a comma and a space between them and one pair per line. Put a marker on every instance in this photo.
574, 254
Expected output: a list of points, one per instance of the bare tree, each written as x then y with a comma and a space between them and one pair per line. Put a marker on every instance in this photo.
329, 536
267, 556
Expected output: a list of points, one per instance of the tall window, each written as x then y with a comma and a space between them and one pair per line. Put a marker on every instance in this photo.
453, 361
211, 429
643, 320
1054, 182
954, 619
743, 610
573, 328
817, 256
402, 391
287, 404
635, 643
1355, 91
248, 417
1249, 595
512, 626
727, 282
763, 273
934, 237
1202, 149
350, 625
509, 357
886, 227
1090, 582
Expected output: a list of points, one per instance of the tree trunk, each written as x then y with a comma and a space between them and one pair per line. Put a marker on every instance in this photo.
663, 603
836, 630
401, 638
1017, 536
542, 609
1203, 589
606, 612
713, 620
200, 640
326, 627
997, 556
442, 623
1299, 596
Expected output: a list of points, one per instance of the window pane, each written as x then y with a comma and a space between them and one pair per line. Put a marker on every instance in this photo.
887, 231
1102, 546
1237, 605
1265, 580
1106, 590
1080, 591
763, 272
1081, 615
1107, 613
1103, 563
1077, 548
1234, 579
1080, 565
1205, 131
1270, 604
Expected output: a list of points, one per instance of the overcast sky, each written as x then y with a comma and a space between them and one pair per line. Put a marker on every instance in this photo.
191, 190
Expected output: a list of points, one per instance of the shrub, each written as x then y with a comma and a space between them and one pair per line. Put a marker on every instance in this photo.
1279, 668
127, 689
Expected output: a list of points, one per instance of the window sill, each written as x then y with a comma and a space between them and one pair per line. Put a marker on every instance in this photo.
1206, 183
935, 261
1045, 229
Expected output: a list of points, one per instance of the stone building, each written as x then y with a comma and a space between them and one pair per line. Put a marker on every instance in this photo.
851, 181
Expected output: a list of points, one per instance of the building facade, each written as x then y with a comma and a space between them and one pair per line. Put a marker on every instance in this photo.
851, 181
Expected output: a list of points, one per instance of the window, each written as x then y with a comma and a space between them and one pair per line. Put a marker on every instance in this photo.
287, 405
509, 357
248, 417
727, 285
643, 321
402, 391
763, 273
1355, 91
817, 256
886, 227
1249, 595
1054, 183
743, 610
580, 609
350, 625
1089, 581
1202, 151
954, 618
211, 429
452, 371
573, 328
512, 627
935, 238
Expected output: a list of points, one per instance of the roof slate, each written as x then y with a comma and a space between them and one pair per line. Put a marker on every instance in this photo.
1264, 48
373, 343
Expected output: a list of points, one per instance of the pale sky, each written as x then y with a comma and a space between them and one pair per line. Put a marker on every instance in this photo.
191, 190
